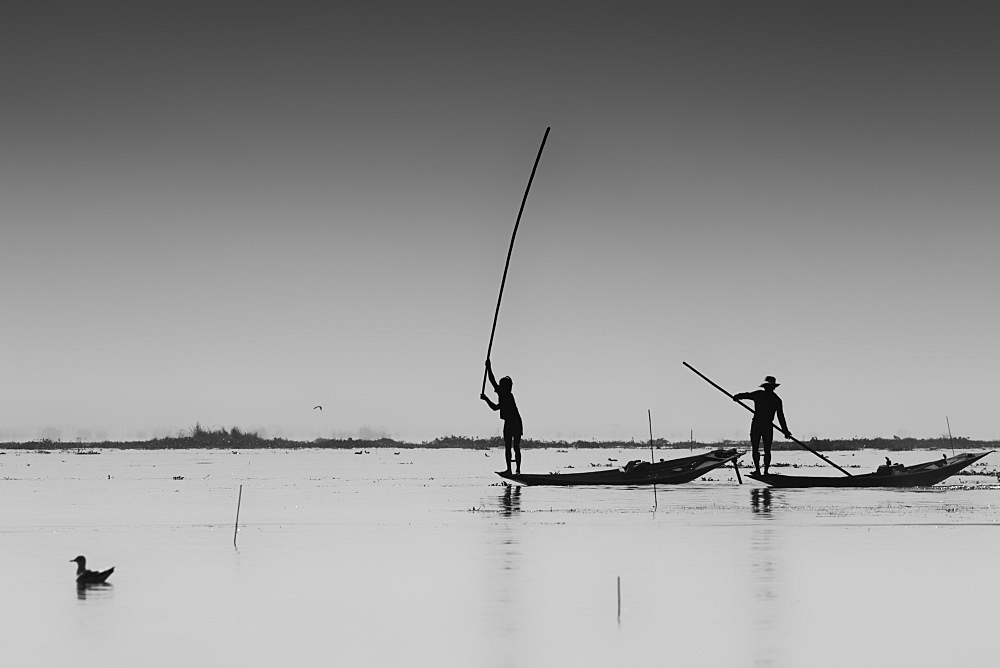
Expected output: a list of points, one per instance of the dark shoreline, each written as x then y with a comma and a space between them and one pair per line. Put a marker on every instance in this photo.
237, 440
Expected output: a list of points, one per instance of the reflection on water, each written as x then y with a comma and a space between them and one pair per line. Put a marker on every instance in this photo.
507, 547
98, 591
765, 571
510, 500
760, 501
507, 532
338, 552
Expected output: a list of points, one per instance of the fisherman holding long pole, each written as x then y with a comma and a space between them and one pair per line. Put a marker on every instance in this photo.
513, 428
784, 427
766, 403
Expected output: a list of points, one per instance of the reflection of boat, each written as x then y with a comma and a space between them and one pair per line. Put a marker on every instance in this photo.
670, 472
918, 475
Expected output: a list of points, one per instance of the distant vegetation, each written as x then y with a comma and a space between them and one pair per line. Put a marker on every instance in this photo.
894, 443
236, 439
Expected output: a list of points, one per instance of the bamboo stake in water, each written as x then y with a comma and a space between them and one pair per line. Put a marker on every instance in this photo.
649, 413
652, 461
237, 524
949, 436
496, 314
619, 599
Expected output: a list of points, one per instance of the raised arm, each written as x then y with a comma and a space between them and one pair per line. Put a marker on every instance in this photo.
493, 381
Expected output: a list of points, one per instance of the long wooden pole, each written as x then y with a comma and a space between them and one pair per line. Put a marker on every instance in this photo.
510, 250
652, 459
789, 436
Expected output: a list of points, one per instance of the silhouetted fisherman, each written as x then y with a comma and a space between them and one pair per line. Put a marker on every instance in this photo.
512, 427
765, 405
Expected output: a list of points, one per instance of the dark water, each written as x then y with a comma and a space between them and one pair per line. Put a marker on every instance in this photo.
422, 559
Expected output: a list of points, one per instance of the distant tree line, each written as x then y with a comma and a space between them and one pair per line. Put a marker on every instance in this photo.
199, 438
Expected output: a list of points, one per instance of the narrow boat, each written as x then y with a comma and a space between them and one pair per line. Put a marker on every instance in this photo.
638, 472
896, 475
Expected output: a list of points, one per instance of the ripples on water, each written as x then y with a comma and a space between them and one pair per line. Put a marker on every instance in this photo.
422, 559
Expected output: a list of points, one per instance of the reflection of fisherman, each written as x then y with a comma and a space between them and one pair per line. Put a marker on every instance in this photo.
511, 500
766, 404
512, 427
760, 500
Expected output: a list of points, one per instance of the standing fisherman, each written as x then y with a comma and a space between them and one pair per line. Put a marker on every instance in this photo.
766, 403
512, 427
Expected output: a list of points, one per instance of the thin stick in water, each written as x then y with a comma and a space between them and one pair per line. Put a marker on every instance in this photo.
237, 524
652, 459
619, 599
949, 436
649, 414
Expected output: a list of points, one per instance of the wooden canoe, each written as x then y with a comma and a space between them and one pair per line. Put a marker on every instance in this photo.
918, 475
638, 472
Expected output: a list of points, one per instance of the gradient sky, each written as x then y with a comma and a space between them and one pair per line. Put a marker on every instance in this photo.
228, 214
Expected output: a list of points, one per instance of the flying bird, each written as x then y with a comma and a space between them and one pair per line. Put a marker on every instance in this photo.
83, 576
317, 408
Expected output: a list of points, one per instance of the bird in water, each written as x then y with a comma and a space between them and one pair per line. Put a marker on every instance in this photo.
83, 576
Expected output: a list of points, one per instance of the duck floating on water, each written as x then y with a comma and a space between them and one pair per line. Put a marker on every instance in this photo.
83, 576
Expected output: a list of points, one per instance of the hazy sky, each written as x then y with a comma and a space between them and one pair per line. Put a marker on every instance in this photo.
229, 214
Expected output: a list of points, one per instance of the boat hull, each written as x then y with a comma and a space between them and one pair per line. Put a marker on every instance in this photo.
918, 475
670, 472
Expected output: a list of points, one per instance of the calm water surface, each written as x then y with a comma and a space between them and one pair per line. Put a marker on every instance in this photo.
422, 559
